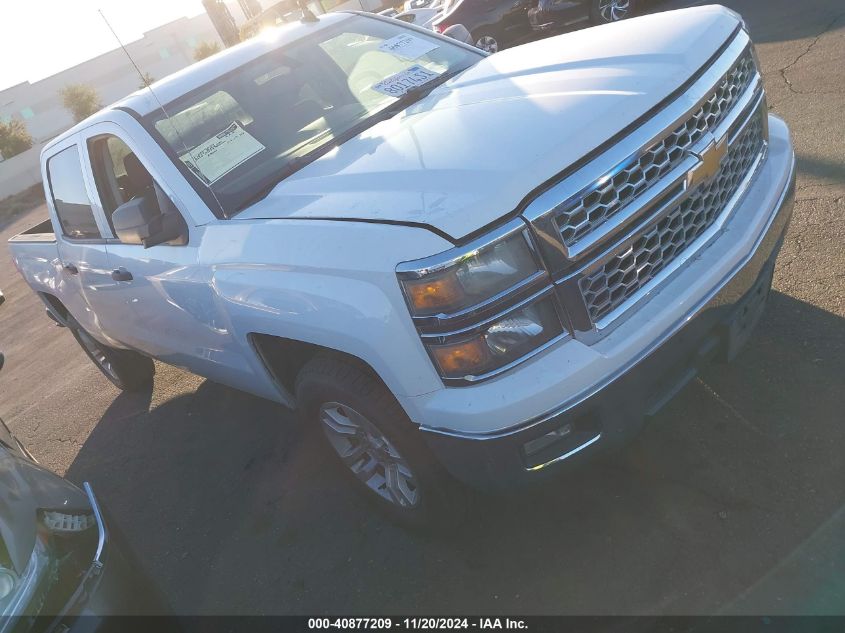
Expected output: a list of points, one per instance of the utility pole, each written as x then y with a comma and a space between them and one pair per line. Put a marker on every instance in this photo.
251, 8
223, 21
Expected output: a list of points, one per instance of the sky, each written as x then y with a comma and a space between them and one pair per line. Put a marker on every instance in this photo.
41, 37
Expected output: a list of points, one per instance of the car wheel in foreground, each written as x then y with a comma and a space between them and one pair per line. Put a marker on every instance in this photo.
487, 43
376, 445
127, 370
604, 11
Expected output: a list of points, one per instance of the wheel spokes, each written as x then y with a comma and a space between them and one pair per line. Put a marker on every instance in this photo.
367, 452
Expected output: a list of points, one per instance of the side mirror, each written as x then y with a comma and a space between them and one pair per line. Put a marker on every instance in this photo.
140, 221
459, 32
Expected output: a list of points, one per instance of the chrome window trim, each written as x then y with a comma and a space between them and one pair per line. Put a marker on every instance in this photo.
540, 212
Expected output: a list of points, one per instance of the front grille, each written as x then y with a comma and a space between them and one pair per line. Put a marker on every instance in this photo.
626, 272
589, 209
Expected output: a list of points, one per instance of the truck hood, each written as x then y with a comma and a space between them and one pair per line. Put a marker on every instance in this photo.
469, 152
25, 488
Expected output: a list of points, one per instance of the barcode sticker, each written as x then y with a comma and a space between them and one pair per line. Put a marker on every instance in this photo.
407, 46
222, 153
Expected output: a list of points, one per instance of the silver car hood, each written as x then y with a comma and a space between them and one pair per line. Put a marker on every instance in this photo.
473, 149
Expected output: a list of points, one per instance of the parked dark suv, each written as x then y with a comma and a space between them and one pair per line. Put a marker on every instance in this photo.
496, 24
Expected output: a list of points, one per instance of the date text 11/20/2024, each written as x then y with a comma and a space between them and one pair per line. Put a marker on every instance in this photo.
431, 624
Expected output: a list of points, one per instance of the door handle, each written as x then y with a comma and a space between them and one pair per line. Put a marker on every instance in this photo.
121, 274
73, 270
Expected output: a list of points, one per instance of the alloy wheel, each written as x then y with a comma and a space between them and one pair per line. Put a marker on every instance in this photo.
371, 457
614, 10
487, 43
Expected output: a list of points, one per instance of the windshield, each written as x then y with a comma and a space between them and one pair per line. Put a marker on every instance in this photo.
244, 132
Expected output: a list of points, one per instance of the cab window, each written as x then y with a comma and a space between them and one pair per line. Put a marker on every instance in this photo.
70, 198
120, 176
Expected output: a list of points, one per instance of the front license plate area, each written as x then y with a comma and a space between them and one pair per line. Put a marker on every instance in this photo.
747, 314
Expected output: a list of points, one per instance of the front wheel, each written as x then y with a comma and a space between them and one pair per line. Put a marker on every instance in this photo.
127, 370
487, 43
376, 444
605, 11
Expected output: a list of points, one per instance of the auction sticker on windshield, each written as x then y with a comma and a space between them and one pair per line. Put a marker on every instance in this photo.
222, 153
398, 84
407, 46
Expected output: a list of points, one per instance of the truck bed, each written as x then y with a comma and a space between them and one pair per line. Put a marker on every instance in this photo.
36, 255
41, 232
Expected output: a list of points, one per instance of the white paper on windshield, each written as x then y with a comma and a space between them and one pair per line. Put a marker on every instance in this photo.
407, 46
222, 153
398, 84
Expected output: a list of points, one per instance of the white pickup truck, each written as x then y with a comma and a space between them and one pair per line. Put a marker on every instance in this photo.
459, 265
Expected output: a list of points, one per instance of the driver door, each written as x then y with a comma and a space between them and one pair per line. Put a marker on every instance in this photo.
161, 302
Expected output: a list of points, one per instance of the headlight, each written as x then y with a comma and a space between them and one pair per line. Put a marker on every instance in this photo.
491, 347
469, 277
58, 561
481, 307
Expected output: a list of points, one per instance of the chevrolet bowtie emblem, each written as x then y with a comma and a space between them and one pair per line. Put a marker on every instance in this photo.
711, 160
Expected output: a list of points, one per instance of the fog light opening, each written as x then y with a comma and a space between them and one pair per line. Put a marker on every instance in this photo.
544, 441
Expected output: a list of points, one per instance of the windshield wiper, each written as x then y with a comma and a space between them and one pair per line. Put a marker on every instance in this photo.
412, 95
289, 168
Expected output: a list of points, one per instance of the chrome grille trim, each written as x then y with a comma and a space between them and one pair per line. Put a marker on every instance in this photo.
586, 211
615, 281
540, 211
713, 112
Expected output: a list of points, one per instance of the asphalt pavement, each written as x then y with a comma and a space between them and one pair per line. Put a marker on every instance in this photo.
731, 501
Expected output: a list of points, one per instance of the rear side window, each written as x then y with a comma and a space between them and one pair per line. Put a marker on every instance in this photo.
70, 196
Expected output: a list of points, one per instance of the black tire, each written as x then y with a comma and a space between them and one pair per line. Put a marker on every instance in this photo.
328, 380
600, 16
127, 370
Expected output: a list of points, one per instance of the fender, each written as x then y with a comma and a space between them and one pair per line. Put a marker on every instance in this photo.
325, 283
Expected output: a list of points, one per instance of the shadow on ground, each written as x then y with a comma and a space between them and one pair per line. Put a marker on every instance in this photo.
235, 510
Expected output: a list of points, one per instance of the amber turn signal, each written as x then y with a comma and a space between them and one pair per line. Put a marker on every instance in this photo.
461, 359
434, 294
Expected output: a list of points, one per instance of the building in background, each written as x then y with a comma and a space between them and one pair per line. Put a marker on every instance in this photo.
160, 52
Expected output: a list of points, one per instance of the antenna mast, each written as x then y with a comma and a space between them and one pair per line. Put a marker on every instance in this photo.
157, 100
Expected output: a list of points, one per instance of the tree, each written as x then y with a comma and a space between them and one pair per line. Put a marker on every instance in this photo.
80, 100
205, 49
146, 80
14, 138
